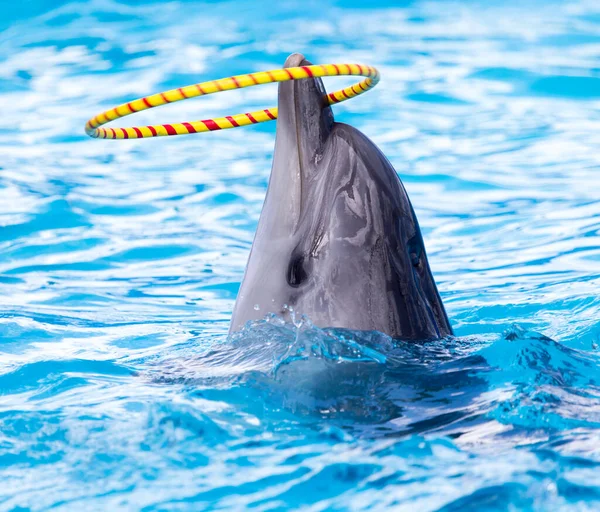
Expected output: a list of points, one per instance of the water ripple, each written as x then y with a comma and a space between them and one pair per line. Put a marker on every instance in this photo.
120, 263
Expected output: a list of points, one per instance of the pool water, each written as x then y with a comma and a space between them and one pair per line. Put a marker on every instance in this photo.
120, 262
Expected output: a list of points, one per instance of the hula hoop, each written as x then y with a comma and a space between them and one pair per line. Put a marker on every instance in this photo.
226, 84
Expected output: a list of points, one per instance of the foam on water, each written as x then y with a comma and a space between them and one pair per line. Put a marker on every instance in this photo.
120, 262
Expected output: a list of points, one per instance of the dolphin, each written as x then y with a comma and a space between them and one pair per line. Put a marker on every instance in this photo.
337, 239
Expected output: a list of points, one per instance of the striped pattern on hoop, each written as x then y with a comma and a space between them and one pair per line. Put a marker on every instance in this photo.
93, 126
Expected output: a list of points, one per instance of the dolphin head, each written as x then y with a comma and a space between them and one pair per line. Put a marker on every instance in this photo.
337, 239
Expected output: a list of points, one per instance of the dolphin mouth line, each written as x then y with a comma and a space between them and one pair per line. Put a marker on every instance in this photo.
301, 163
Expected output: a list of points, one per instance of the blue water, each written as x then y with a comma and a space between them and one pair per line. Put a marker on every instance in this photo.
120, 262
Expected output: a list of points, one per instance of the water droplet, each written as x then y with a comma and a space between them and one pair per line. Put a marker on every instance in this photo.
256, 307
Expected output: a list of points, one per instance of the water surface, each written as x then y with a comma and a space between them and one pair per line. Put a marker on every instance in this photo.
120, 262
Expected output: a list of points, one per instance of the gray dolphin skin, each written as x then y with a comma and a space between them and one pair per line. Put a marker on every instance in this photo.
337, 239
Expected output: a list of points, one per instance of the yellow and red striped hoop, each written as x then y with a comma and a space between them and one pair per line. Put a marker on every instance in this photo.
93, 129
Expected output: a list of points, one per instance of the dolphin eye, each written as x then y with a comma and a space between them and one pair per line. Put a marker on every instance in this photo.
415, 259
415, 250
296, 274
